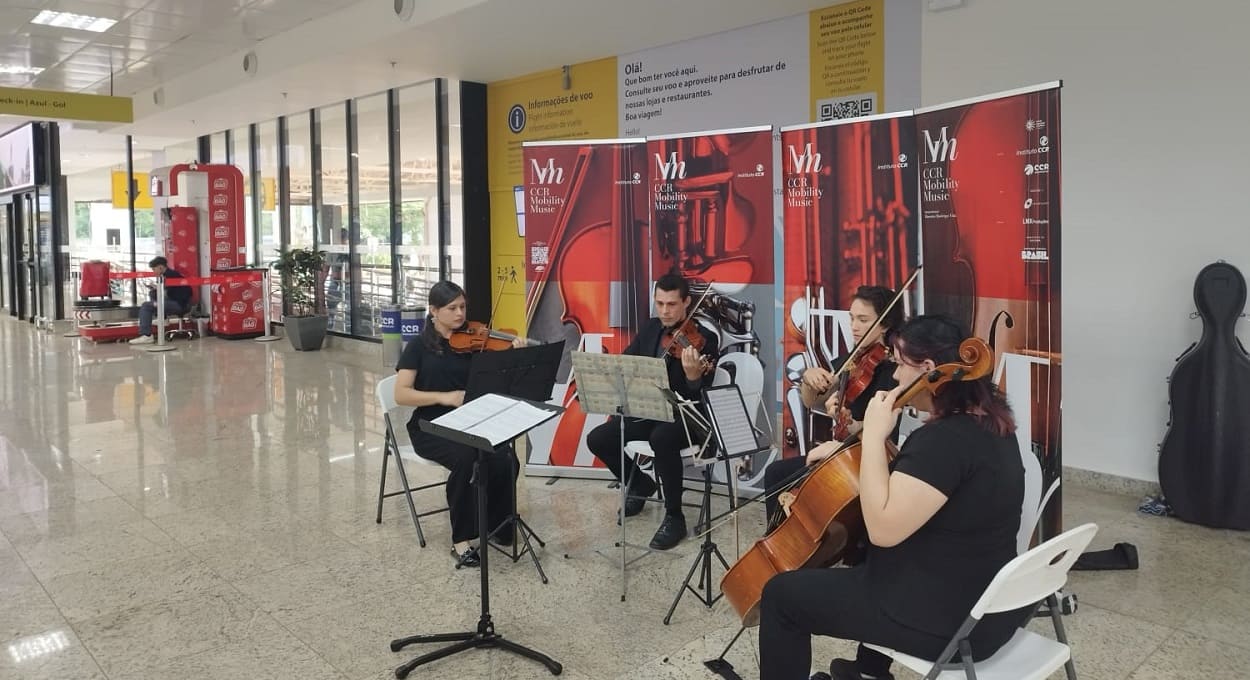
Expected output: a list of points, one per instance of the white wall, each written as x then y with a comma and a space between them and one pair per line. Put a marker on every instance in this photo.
1156, 181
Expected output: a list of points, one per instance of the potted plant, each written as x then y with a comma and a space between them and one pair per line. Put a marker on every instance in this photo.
301, 314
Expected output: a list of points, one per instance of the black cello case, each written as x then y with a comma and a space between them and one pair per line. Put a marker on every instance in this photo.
1204, 460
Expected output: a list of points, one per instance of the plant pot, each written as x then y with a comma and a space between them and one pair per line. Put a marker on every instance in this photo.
306, 333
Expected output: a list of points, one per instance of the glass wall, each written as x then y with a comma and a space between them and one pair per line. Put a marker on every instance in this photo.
217, 148
418, 172
455, 243
383, 243
241, 158
333, 237
299, 161
373, 249
267, 164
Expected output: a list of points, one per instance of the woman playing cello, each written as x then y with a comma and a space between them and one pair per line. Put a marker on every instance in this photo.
941, 518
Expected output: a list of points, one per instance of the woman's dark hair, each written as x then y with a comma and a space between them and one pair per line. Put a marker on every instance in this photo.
441, 294
879, 297
936, 337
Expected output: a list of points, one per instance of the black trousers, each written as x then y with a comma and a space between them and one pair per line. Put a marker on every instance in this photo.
501, 472
837, 603
666, 440
776, 476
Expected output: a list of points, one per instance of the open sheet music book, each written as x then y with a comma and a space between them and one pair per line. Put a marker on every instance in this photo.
496, 418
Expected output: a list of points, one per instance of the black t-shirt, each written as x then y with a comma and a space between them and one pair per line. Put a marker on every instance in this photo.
437, 371
931, 580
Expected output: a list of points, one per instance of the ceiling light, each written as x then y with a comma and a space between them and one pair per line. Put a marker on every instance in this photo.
81, 22
11, 70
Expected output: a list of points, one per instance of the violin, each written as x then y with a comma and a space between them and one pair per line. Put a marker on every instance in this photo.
824, 522
853, 383
476, 336
686, 334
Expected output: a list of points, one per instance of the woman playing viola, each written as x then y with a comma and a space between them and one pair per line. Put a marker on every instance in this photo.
432, 378
819, 387
941, 519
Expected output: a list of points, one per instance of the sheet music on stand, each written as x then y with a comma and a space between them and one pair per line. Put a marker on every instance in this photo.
496, 418
734, 428
599, 378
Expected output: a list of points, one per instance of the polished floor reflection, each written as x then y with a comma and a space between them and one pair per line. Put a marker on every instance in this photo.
208, 513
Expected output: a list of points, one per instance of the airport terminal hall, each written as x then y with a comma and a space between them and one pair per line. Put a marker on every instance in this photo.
650, 340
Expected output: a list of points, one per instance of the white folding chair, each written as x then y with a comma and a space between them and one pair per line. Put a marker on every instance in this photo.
386, 400
1028, 579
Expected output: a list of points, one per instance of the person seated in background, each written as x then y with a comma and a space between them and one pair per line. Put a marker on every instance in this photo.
177, 300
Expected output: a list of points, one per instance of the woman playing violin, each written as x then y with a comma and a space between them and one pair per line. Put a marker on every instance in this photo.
432, 378
941, 519
819, 387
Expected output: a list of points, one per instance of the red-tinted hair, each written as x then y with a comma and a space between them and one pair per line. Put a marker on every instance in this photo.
937, 338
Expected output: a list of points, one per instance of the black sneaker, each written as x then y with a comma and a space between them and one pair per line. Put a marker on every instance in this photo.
845, 669
469, 558
671, 532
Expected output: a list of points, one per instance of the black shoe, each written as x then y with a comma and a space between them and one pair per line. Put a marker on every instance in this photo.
820, 676
636, 498
845, 669
671, 532
469, 558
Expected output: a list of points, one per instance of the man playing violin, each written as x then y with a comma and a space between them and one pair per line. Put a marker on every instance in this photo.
941, 519
820, 387
687, 376
432, 377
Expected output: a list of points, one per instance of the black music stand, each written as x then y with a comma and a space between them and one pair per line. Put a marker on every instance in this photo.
735, 437
487, 424
525, 373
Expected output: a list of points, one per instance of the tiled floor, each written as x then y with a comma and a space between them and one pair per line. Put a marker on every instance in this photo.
208, 513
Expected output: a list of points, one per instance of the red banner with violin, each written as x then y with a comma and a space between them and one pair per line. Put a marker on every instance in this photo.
849, 196
712, 216
587, 271
990, 218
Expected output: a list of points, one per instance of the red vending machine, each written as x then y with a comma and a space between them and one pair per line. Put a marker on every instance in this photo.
201, 220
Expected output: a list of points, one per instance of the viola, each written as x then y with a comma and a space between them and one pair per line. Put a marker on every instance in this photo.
824, 522
853, 384
479, 337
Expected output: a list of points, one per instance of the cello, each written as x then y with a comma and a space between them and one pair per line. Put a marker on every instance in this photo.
824, 521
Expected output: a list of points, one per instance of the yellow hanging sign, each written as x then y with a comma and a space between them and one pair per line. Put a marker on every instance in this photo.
49, 104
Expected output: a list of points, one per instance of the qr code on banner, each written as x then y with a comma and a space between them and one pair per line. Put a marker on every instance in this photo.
850, 106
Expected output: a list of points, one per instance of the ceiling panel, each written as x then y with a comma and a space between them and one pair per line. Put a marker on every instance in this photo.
152, 41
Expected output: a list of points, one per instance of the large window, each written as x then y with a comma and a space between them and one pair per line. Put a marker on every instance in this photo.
299, 160
334, 237
217, 147
418, 171
455, 242
267, 164
373, 249
241, 157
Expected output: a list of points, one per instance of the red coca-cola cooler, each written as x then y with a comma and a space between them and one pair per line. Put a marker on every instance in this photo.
239, 305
